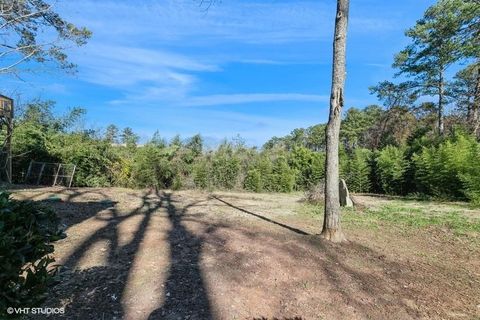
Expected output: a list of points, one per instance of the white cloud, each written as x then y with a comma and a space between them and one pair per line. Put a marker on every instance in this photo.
225, 99
364, 24
173, 20
258, 22
149, 57
119, 66
157, 50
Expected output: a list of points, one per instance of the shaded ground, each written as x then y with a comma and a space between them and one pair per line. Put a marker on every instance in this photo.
190, 255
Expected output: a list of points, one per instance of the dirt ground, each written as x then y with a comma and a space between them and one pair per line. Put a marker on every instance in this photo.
133, 254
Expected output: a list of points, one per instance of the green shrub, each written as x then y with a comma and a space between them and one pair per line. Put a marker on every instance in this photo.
146, 167
391, 166
200, 174
450, 169
310, 166
225, 170
152, 167
26, 233
470, 173
177, 183
29, 143
253, 181
122, 172
225, 167
282, 178
357, 171
93, 158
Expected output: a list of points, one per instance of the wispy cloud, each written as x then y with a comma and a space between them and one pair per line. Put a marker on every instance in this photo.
182, 69
173, 20
140, 74
158, 51
117, 66
226, 99
378, 65
243, 21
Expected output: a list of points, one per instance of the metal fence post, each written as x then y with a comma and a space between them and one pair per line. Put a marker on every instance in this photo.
71, 177
40, 174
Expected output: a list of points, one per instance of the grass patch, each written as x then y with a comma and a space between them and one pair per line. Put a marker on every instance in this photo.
310, 209
417, 218
402, 215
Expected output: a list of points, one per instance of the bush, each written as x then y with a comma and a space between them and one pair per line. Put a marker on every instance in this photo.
253, 181
471, 183
391, 166
357, 171
26, 233
225, 168
93, 158
29, 143
200, 174
310, 166
282, 178
451, 169
146, 167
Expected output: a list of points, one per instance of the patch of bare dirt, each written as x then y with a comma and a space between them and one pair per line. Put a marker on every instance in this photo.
193, 255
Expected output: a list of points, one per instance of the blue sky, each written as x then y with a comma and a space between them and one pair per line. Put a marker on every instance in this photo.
251, 68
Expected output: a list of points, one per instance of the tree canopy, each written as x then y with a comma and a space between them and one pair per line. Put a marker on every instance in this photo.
31, 30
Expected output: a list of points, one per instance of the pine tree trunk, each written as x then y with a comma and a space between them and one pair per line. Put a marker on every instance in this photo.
441, 94
331, 225
475, 110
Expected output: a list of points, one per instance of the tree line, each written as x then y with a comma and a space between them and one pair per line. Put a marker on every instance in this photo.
405, 157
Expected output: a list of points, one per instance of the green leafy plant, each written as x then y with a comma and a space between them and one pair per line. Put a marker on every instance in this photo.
450, 170
391, 166
27, 231
357, 171
253, 181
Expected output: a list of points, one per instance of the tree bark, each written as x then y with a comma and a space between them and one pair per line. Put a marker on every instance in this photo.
331, 225
441, 95
475, 110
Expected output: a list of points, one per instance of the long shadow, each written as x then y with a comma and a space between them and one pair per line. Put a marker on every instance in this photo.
185, 292
97, 292
262, 217
375, 286
64, 202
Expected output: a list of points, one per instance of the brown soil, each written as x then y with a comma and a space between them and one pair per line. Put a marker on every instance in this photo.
191, 255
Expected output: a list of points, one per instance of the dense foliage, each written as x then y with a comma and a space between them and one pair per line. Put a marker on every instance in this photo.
407, 157
26, 233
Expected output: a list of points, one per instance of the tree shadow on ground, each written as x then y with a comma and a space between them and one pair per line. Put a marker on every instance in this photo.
366, 291
371, 294
360, 277
99, 291
64, 202
185, 291
298, 231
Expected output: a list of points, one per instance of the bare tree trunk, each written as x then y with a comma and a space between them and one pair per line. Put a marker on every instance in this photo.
475, 109
441, 94
331, 225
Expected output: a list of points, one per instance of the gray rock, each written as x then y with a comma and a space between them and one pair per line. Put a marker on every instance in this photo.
345, 200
